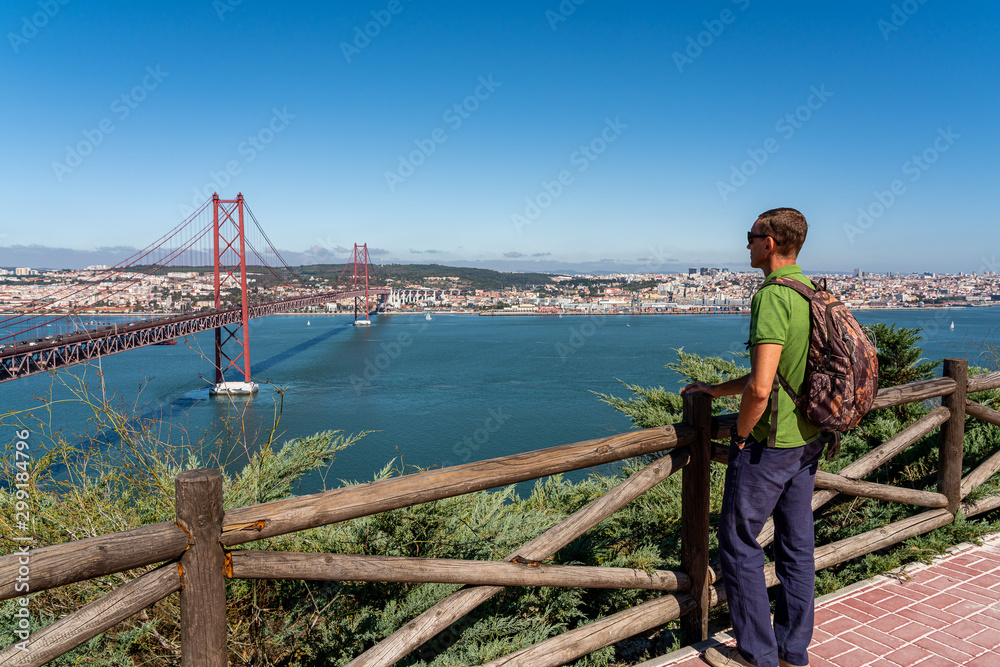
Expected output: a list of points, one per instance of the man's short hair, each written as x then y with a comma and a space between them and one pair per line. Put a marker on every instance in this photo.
787, 226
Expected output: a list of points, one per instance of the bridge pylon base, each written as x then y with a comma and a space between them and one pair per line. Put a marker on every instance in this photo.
233, 389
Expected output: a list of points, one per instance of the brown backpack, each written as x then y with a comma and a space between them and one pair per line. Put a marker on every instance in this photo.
841, 366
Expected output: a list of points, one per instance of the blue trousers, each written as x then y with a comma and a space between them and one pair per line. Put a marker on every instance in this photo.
761, 481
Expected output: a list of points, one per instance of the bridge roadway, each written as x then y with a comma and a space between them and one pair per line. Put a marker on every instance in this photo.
44, 354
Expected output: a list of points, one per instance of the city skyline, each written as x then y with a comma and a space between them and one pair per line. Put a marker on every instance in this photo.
531, 137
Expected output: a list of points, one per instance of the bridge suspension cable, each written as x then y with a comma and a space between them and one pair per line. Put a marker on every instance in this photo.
208, 241
273, 249
31, 317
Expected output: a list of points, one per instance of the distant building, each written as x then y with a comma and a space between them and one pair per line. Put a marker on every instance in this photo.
23, 271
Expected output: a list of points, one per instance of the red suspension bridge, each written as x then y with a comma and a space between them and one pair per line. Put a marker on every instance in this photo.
74, 323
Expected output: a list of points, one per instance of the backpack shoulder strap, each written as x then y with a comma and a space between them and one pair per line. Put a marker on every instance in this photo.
779, 382
803, 289
777, 385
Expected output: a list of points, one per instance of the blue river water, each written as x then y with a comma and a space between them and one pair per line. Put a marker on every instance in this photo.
444, 391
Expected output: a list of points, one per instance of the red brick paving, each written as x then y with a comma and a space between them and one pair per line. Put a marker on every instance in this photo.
943, 614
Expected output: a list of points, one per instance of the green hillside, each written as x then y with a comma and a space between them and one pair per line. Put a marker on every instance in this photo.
421, 274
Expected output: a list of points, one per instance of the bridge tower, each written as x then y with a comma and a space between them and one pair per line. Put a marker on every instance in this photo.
361, 254
230, 259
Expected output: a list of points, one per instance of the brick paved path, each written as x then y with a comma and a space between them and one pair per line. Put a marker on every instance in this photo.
946, 613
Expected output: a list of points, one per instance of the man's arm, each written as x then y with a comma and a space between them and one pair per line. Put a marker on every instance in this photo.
763, 367
755, 386
728, 388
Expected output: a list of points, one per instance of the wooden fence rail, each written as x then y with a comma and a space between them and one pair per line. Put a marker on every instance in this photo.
343, 567
255, 522
197, 563
67, 563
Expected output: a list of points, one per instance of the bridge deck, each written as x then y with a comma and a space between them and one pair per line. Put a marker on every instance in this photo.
25, 358
946, 613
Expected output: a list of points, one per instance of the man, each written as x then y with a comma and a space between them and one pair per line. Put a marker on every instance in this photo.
779, 478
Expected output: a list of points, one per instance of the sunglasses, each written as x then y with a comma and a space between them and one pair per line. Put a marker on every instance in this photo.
751, 237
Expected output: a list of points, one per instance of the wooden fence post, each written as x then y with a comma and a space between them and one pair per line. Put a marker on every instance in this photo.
695, 482
953, 435
203, 581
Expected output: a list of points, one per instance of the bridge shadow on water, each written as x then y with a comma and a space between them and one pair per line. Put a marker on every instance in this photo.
179, 408
261, 367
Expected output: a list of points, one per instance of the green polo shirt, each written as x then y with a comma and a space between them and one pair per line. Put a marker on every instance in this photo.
780, 315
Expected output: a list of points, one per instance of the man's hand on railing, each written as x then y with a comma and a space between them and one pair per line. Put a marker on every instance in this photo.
727, 388
699, 388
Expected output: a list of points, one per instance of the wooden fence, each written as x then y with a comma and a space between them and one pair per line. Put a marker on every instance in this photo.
197, 552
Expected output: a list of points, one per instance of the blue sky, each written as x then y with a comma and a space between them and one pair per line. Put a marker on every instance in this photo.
587, 134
